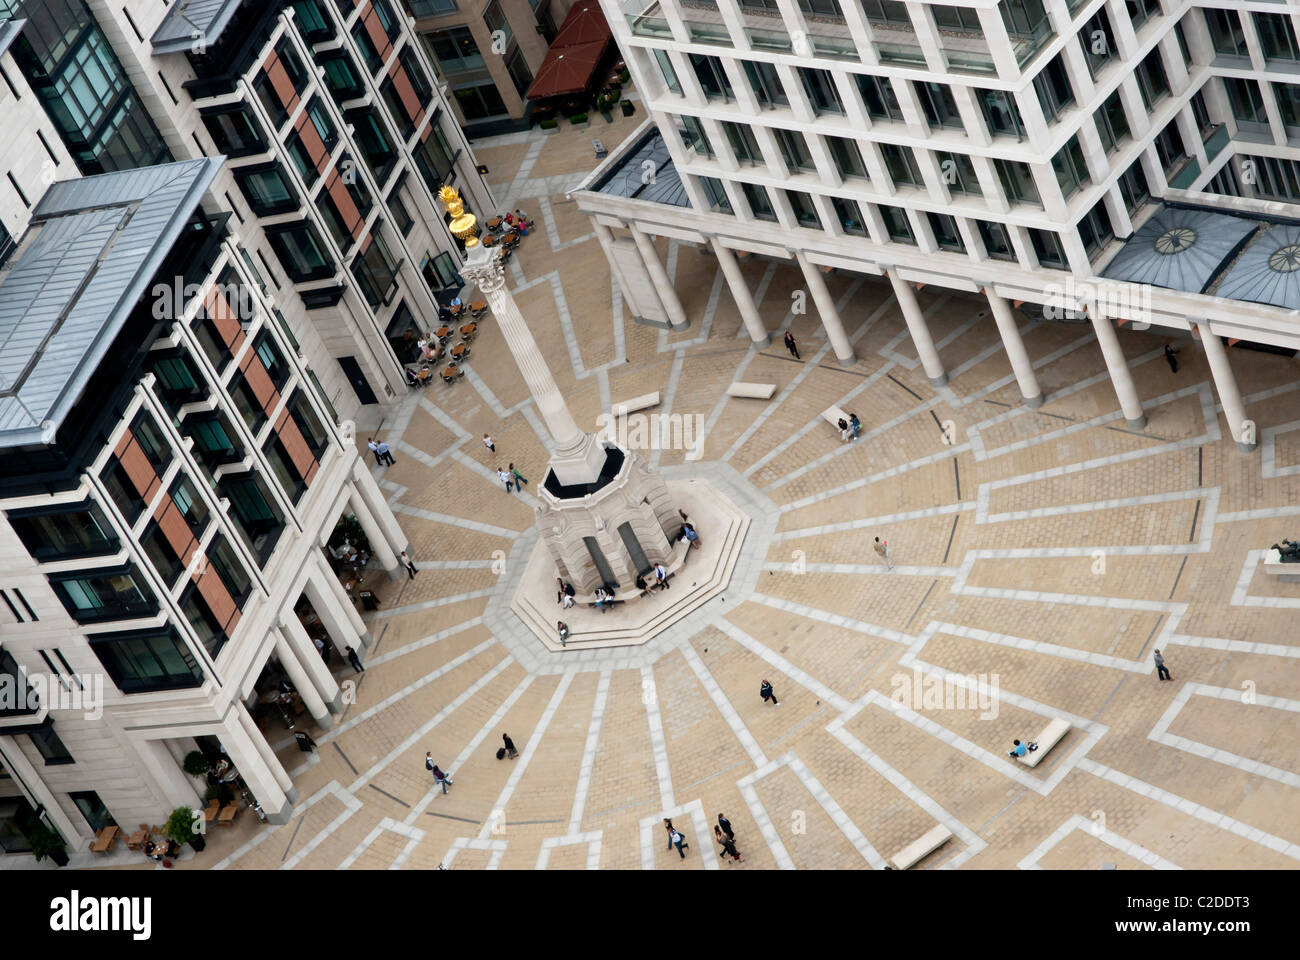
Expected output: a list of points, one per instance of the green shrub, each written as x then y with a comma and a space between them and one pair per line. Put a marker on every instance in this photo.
623, 75
550, 123
180, 825
578, 118
196, 764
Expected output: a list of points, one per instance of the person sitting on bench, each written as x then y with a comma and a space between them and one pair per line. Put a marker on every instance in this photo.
564, 631
1020, 749
1288, 550
602, 599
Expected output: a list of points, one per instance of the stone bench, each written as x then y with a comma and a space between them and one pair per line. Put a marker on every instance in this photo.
1274, 567
921, 847
758, 391
1049, 737
636, 403
833, 415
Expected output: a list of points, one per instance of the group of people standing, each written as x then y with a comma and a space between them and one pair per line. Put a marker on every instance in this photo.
850, 428
512, 478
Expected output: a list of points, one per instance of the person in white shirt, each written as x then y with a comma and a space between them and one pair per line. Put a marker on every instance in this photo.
505, 478
489, 443
661, 576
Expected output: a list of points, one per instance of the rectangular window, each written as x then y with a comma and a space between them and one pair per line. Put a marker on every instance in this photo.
766, 83
93, 809
455, 51
157, 449
402, 218
794, 150
104, 595
1170, 149
1098, 42
897, 224
997, 242
1053, 88
901, 165
373, 142
959, 174
1151, 78
1134, 188
886, 11
938, 105
849, 216
956, 18
176, 379
342, 78
375, 269
1095, 230
214, 440
1112, 122
277, 368
716, 194
1001, 113
1226, 33
1070, 168
122, 489
369, 52
805, 212
1018, 182
266, 189
1048, 247
759, 204
234, 131
820, 87
253, 512
161, 553
1276, 37
301, 252
225, 561
147, 660
434, 158
743, 143
694, 137
210, 631
71, 532
879, 98
712, 77
247, 403
1247, 104
49, 746
191, 506
848, 158
666, 68
946, 234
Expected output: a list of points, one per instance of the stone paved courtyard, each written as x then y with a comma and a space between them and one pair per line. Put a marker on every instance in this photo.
1047, 552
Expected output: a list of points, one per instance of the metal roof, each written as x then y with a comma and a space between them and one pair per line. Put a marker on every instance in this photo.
647, 173
1180, 248
190, 22
9, 30
1268, 271
92, 247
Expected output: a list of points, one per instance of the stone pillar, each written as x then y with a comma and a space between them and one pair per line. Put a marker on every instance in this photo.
1225, 383
667, 295
264, 779
336, 621
1015, 348
606, 240
826, 310
34, 788
916, 326
178, 788
263, 748
1120, 375
379, 508
578, 456
378, 540
740, 293
305, 686
310, 660
349, 606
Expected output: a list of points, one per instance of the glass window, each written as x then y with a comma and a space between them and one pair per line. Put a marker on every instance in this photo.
758, 201
309, 425
712, 77
283, 466
495, 20
1098, 42
886, 11
805, 212
959, 174
434, 158
342, 78
214, 440
946, 234
1048, 247
210, 631
1018, 182
1112, 122
122, 490
1022, 17
939, 106
301, 252
375, 269
104, 595
1226, 33
693, 136
79, 531
956, 18
1095, 229
828, 9
901, 164
897, 224
235, 132
1070, 168
277, 368
743, 143
320, 119
369, 52
1151, 77
455, 50
49, 746
1288, 103
1170, 149
666, 68
1001, 113
766, 83
313, 22
191, 506
879, 98
266, 189
1053, 88
392, 28
246, 402
849, 216
794, 150
1133, 187
1276, 36
1247, 103
402, 218
146, 660
373, 141
848, 158
997, 242
225, 561
157, 449
161, 553
480, 101
716, 194
253, 512
520, 73
176, 379
820, 87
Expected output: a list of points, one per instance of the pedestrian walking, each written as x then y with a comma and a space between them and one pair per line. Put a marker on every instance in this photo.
489, 443
882, 550
355, 660
767, 693
791, 345
383, 452
855, 424
305, 743
519, 477
439, 776
725, 824
728, 845
511, 752
374, 448
408, 564
675, 838
1162, 672
505, 478
844, 429
564, 631
1171, 358
386, 452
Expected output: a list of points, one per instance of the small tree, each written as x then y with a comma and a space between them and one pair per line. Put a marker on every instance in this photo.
180, 827
47, 843
196, 764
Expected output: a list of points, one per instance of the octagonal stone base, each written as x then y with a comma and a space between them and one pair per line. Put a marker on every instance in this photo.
698, 575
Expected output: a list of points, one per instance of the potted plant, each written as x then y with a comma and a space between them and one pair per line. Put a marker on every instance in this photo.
550, 125
180, 827
196, 764
47, 843
628, 109
623, 75
579, 120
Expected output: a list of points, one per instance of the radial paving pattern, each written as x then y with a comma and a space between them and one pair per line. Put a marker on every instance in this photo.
1044, 553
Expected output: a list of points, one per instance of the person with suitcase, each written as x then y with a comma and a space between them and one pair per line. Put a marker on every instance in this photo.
509, 746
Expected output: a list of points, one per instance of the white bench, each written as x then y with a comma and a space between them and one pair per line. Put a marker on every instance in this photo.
759, 391
636, 403
921, 847
1050, 737
1274, 567
833, 415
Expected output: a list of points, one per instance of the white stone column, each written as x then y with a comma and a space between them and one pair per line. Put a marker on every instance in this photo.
916, 326
740, 293
664, 286
1015, 348
336, 621
1225, 383
378, 541
379, 508
260, 776
264, 751
311, 697
1121, 377
606, 240
331, 582
179, 789
578, 457
311, 661
826, 309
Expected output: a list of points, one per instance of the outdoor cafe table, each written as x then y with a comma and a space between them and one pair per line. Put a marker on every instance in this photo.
494, 224
468, 329
478, 306
459, 350
490, 241
443, 332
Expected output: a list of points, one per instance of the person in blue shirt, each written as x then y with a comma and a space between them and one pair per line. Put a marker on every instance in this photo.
1020, 749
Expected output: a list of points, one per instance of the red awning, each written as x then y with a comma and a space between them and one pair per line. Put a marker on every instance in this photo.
567, 71
585, 23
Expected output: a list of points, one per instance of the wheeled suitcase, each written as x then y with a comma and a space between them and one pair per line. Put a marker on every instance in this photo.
501, 752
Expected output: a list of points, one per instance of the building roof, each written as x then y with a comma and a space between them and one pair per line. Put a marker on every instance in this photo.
92, 247
1181, 248
645, 172
567, 71
9, 30
1268, 270
189, 22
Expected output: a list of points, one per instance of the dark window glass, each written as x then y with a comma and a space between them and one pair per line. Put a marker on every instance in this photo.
277, 368
235, 132
266, 189
758, 201
374, 143
434, 158
49, 746
997, 242
897, 224
143, 661
210, 631
246, 402
375, 269
805, 212
716, 194
157, 448
122, 490
161, 553
878, 95
946, 234
191, 506
1001, 113
214, 440
849, 216
766, 83
342, 78
369, 52
223, 558
253, 512
1048, 247
176, 379
301, 252
314, 23
309, 425
102, 595
80, 531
